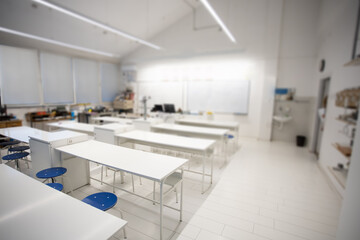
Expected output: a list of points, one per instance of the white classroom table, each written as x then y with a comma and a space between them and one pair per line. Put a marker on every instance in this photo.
233, 126
148, 165
31, 210
22, 134
74, 126
191, 131
202, 147
217, 134
113, 120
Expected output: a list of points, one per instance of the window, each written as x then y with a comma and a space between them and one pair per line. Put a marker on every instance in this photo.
57, 79
110, 83
86, 80
20, 84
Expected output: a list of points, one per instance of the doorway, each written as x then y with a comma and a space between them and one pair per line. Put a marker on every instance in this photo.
321, 109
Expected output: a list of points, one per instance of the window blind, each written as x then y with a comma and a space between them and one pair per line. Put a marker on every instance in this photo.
20, 77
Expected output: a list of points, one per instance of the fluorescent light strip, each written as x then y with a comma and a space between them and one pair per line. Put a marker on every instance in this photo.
57, 42
218, 20
98, 24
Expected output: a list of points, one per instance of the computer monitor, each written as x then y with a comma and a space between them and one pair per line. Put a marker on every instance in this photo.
157, 108
169, 108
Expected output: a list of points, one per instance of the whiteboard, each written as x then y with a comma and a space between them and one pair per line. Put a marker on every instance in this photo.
161, 92
225, 96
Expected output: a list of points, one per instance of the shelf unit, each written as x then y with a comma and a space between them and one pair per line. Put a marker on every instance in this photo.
348, 100
346, 121
343, 150
354, 62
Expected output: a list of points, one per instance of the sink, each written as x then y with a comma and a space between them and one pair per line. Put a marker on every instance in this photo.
282, 119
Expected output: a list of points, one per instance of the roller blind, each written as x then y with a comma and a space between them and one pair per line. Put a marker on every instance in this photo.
20, 77
110, 82
57, 79
86, 81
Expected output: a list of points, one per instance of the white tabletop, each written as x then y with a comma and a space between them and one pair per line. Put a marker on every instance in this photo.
149, 165
114, 120
210, 123
216, 132
75, 126
22, 133
49, 137
168, 140
31, 210
115, 127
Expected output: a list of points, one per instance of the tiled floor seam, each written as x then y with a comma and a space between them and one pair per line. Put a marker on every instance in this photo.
309, 229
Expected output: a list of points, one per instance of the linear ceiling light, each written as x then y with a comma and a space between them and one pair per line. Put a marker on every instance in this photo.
218, 20
98, 24
58, 43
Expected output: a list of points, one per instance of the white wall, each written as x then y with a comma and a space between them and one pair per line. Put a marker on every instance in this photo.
256, 26
297, 65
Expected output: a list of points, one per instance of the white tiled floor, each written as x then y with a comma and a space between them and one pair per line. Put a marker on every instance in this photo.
269, 190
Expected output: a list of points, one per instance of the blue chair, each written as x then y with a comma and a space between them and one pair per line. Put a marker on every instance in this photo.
57, 186
51, 173
15, 157
103, 201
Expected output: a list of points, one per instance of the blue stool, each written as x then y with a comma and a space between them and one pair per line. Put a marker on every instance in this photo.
103, 201
229, 137
18, 149
51, 173
57, 186
9, 143
15, 157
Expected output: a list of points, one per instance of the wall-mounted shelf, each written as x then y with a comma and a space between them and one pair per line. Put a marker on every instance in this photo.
347, 121
344, 150
354, 62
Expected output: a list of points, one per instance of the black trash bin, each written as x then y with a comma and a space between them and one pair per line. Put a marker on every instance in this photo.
300, 141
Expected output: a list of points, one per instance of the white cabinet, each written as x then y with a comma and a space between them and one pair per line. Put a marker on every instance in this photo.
44, 155
106, 133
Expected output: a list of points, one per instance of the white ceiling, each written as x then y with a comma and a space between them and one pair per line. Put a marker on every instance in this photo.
142, 18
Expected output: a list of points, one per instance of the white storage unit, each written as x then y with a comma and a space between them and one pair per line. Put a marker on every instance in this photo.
44, 155
106, 133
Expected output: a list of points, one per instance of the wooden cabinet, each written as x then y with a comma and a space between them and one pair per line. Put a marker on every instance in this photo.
10, 123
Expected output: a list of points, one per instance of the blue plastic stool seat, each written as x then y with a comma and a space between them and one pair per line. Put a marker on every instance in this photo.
51, 172
15, 156
229, 136
18, 149
57, 186
9, 143
101, 200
